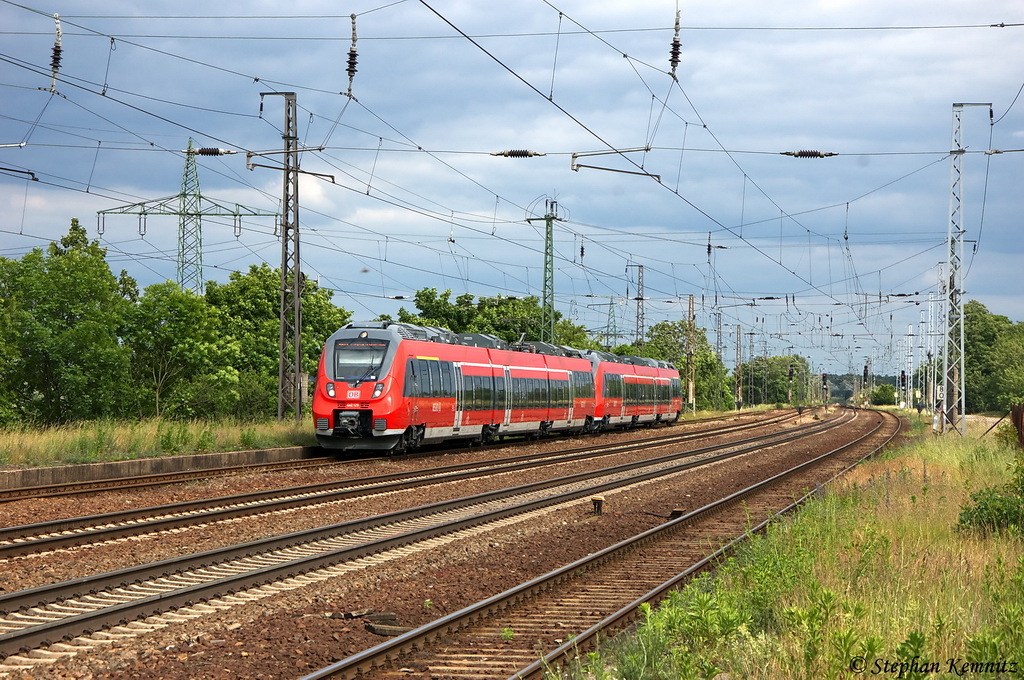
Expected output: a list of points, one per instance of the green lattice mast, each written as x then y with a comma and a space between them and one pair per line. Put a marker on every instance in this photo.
190, 227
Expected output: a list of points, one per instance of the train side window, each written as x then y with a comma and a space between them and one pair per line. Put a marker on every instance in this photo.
424, 374
447, 390
412, 387
483, 392
435, 378
500, 393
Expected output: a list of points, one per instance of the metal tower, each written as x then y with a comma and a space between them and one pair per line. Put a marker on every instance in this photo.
639, 307
691, 357
190, 227
611, 328
291, 379
720, 368
739, 369
953, 395
189, 206
547, 309
289, 383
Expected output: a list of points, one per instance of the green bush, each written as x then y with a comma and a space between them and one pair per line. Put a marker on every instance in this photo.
1006, 434
993, 510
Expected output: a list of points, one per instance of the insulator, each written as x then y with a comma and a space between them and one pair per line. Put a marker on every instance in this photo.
807, 153
55, 60
209, 151
518, 153
674, 54
352, 59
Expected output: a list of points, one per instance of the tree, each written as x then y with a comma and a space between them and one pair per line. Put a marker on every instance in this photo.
766, 380
8, 355
667, 341
63, 311
982, 370
883, 395
251, 307
178, 356
1008, 355
251, 304
504, 317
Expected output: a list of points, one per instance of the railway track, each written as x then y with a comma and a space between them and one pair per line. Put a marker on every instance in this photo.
565, 612
62, 617
177, 477
82, 531
157, 479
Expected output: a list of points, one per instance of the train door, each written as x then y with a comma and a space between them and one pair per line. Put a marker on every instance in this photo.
507, 406
412, 389
572, 394
458, 398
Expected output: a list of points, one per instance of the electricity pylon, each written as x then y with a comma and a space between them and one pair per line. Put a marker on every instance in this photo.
954, 399
190, 206
547, 309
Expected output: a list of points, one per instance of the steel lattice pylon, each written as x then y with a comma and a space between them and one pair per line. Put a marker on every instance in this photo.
953, 395
190, 206
547, 306
190, 227
640, 330
547, 318
289, 394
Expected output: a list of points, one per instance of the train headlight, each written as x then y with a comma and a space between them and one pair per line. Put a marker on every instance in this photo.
377, 389
330, 390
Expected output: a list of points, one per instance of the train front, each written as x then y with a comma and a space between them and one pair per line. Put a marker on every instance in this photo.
357, 403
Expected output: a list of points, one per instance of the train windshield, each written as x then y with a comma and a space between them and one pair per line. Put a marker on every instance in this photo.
359, 359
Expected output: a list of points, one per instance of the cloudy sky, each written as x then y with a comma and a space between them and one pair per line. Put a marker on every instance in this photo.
832, 258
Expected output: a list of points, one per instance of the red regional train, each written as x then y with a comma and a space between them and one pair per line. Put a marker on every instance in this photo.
393, 386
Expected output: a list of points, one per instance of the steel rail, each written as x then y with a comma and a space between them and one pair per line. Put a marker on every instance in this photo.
163, 478
155, 479
397, 648
590, 638
77, 531
108, 584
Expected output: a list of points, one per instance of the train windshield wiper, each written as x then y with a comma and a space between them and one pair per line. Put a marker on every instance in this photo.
368, 373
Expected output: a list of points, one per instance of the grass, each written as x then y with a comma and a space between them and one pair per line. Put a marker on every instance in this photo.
873, 578
101, 441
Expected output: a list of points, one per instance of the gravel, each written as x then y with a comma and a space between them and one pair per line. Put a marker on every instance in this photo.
295, 632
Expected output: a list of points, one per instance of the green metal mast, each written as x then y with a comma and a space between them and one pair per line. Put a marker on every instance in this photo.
188, 206
190, 227
547, 310
547, 314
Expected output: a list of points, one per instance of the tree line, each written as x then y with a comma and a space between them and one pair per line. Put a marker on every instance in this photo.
79, 343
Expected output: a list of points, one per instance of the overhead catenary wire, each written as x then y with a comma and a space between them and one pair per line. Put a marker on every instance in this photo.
492, 225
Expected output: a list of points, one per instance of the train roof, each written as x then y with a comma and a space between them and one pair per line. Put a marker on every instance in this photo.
409, 331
